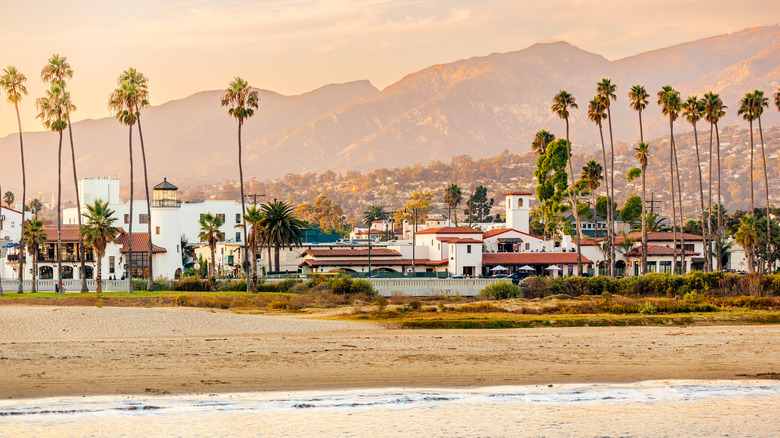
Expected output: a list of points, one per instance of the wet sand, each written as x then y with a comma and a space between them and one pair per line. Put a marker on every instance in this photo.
47, 351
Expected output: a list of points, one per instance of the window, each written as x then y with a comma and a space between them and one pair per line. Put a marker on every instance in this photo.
468, 249
157, 230
139, 264
238, 236
143, 218
527, 246
177, 248
519, 202
127, 218
665, 267
221, 216
509, 205
201, 216
238, 218
111, 264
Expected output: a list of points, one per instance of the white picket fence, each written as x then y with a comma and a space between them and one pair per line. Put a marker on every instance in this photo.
427, 287
70, 285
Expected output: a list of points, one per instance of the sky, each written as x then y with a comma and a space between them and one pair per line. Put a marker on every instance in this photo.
295, 46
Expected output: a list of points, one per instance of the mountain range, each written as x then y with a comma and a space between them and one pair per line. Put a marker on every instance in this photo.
478, 106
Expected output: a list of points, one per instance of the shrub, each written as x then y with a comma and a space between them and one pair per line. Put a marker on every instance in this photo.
381, 304
360, 286
693, 297
341, 285
288, 283
647, 308
535, 287
414, 305
191, 285
232, 286
501, 290
269, 287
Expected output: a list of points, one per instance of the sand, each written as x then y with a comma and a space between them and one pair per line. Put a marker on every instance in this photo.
47, 351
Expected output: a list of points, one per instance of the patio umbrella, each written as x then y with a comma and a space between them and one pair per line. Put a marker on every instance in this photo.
554, 268
526, 268
499, 268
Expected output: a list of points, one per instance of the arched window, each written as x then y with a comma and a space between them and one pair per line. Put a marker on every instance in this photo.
509, 207
519, 202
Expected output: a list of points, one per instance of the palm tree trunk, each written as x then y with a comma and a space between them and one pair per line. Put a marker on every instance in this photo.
150, 279
270, 266
130, 232
277, 248
59, 216
99, 277
78, 210
752, 206
708, 240
682, 217
701, 193
34, 289
644, 217
254, 270
720, 218
574, 203
24, 194
213, 266
611, 194
595, 222
606, 190
674, 206
243, 207
769, 258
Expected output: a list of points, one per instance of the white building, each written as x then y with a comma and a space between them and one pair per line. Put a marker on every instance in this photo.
11, 224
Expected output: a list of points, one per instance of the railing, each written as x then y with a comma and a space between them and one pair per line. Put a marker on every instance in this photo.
166, 203
10, 285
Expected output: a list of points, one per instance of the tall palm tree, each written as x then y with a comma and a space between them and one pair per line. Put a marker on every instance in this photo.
606, 89
12, 82
378, 213
760, 103
453, 196
715, 109
34, 237
57, 70
693, 111
669, 100
638, 102
592, 175
98, 230
35, 207
210, 233
563, 102
643, 155
123, 103
141, 87
51, 110
242, 102
746, 107
255, 239
597, 113
540, 142
282, 227
747, 238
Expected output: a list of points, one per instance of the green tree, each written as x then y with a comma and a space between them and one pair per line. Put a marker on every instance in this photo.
597, 112
552, 183
606, 90
453, 196
669, 101
34, 237
562, 103
541, 140
747, 238
637, 97
374, 213
592, 176
255, 239
210, 233
602, 207
747, 111
642, 153
140, 86
12, 82
242, 102
420, 205
714, 110
98, 230
8, 198
35, 207
631, 212
283, 229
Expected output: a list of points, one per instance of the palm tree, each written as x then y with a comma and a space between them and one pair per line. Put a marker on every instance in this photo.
242, 102
562, 103
452, 197
255, 239
35, 207
655, 223
643, 155
209, 232
606, 90
377, 213
51, 110
592, 176
638, 102
714, 110
627, 243
12, 82
540, 142
57, 70
98, 230
747, 238
597, 113
8, 198
693, 111
760, 103
123, 103
282, 227
141, 87
34, 237
669, 100
746, 107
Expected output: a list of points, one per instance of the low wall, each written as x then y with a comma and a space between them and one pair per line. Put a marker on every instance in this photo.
427, 287
10, 286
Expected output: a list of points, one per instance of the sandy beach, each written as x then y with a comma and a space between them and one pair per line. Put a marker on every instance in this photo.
47, 351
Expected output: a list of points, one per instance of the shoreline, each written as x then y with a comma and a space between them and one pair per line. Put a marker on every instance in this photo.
73, 351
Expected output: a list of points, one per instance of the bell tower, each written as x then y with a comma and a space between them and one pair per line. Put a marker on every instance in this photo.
518, 210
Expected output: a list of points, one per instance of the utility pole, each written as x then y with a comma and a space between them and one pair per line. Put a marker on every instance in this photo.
652, 202
254, 197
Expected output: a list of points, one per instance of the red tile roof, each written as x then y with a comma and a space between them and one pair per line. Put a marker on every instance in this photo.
657, 250
10, 209
532, 258
520, 193
364, 262
140, 243
70, 233
465, 241
590, 242
660, 236
498, 231
449, 230
375, 252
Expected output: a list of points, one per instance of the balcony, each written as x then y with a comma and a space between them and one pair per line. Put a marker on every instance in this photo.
166, 203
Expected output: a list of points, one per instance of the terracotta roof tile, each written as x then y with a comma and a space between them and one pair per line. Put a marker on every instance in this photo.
375, 252
449, 230
657, 250
519, 193
498, 231
381, 262
140, 243
70, 233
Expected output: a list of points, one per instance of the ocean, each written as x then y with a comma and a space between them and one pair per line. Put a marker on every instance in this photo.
748, 408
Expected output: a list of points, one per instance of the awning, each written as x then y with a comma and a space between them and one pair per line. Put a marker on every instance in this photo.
11, 245
510, 240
